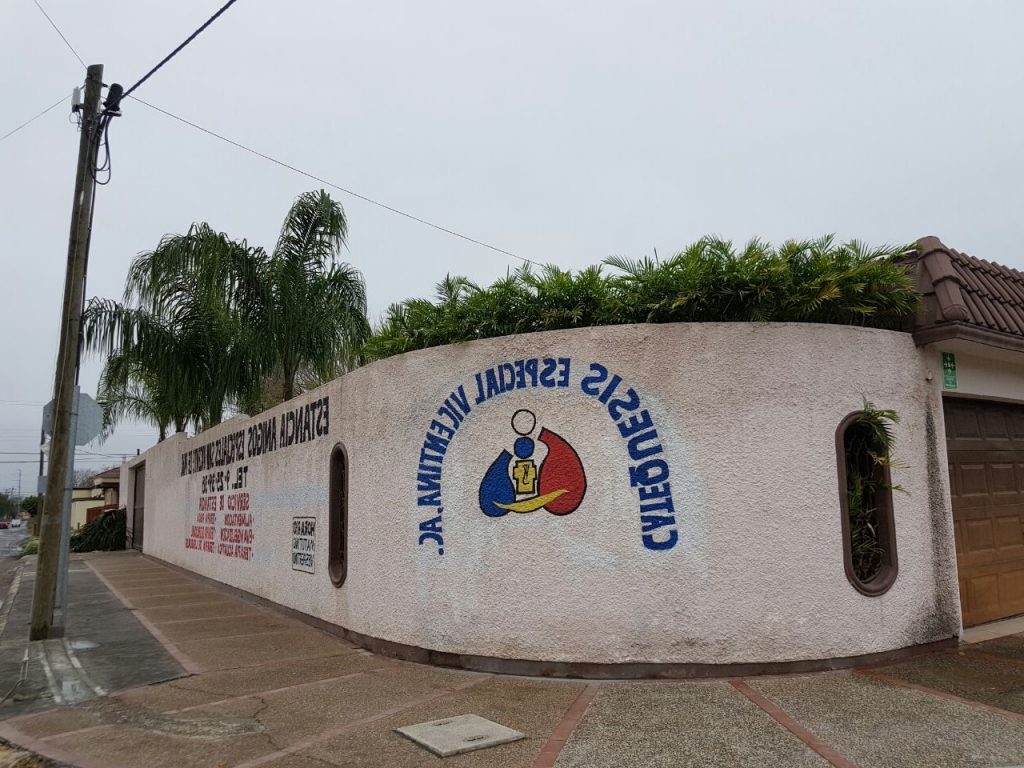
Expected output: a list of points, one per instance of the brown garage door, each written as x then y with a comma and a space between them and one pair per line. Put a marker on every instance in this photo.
985, 441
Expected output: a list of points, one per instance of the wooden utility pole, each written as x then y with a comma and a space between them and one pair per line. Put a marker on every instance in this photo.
62, 445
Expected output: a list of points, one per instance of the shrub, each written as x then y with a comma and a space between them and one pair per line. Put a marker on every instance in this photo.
30, 546
104, 534
817, 281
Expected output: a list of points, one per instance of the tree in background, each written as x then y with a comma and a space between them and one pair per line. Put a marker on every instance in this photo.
31, 504
8, 506
82, 478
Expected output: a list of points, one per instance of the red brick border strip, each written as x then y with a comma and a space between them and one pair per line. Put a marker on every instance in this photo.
783, 718
549, 754
889, 680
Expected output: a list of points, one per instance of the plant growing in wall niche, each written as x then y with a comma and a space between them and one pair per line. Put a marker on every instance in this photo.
868, 442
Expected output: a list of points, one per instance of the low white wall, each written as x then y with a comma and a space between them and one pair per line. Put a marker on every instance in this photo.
751, 564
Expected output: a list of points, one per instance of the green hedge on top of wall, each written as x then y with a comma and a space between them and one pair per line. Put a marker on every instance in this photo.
816, 281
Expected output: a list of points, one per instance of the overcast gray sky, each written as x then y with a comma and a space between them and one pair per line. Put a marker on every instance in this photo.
564, 132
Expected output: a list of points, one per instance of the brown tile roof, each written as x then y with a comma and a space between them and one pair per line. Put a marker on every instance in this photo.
114, 473
964, 296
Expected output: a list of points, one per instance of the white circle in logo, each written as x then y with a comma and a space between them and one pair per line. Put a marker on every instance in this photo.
523, 421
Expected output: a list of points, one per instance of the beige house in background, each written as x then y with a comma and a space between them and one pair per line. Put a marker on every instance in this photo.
88, 502
82, 499
108, 483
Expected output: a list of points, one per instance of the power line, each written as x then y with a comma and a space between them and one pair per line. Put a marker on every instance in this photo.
280, 163
36, 461
175, 52
321, 180
79, 455
33, 119
57, 30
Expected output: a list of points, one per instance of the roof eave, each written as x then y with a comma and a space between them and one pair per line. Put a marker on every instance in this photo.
967, 332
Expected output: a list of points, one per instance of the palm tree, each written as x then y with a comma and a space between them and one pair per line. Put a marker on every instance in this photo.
315, 306
181, 344
209, 323
210, 290
129, 388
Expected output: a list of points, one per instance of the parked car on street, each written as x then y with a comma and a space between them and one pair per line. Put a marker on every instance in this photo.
4, 524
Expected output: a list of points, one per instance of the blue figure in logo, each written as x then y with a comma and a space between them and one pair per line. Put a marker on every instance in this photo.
558, 485
498, 488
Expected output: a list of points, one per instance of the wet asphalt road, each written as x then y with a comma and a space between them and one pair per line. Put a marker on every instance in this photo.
10, 541
10, 548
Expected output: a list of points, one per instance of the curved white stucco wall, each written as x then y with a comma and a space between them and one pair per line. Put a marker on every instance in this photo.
746, 417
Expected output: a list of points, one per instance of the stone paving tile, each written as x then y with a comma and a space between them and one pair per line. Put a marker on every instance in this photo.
296, 714
145, 579
249, 650
875, 724
58, 720
182, 591
133, 564
117, 666
208, 610
991, 682
130, 592
668, 725
221, 627
534, 707
204, 598
131, 747
193, 692
142, 579
1012, 647
214, 686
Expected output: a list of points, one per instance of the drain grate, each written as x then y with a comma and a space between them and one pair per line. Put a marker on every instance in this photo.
455, 735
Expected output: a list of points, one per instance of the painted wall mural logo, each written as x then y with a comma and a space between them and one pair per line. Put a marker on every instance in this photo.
517, 484
523, 480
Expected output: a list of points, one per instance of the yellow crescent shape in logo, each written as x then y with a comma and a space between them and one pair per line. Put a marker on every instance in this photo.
532, 505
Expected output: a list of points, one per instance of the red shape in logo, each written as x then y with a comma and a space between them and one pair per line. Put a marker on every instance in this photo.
562, 468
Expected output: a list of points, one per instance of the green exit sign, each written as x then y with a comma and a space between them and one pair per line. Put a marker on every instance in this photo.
948, 370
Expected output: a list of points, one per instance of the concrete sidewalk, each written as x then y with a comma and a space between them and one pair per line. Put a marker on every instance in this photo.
263, 689
104, 646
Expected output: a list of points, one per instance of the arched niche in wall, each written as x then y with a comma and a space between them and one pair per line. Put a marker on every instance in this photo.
865, 499
337, 518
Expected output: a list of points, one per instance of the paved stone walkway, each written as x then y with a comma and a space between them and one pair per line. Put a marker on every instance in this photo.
263, 689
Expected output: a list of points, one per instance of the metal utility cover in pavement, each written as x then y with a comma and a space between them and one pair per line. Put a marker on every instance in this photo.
455, 735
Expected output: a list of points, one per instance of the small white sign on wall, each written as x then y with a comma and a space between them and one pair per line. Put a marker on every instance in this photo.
303, 544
